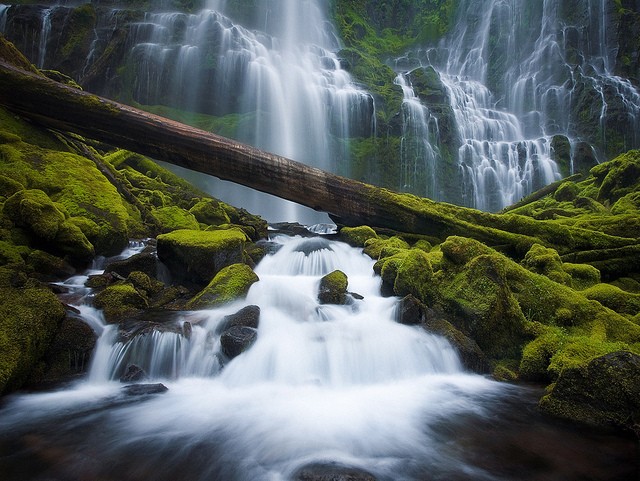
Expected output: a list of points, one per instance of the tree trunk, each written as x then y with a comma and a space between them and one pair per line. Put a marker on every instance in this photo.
349, 202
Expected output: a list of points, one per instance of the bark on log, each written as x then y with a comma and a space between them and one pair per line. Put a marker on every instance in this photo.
350, 202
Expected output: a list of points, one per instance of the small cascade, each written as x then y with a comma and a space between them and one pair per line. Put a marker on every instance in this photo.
45, 30
3, 17
419, 145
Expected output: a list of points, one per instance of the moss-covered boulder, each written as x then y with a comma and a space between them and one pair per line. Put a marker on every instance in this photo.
614, 298
119, 301
604, 392
33, 211
29, 319
197, 256
173, 217
210, 212
230, 284
333, 288
357, 236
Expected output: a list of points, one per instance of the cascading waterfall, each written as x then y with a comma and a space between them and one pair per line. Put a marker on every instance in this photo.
3, 17
419, 150
283, 86
519, 73
344, 383
44, 37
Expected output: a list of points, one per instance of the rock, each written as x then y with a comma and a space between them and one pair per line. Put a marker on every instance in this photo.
71, 350
248, 316
133, 374
332, 472
237, 339
144, 389
119, 301
29, 320
144, 262
410, 311
210, 212
603, 392
357, 236
231, 283
197, 256
333, 288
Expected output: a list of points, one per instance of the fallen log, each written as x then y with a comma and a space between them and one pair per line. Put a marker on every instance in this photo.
60, 107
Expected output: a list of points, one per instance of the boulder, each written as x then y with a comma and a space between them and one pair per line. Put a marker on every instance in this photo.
144, 262
603, 392
231, 283
197, 256
133, 374
119, 301
333, 288
144, 389
332, 472
248, 316
237, 339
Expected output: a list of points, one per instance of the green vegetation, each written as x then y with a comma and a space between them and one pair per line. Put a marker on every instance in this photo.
333, 288
229, 284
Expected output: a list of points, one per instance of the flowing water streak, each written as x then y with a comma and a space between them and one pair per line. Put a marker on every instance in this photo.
283, 84
419, 150
3, 17
45, 30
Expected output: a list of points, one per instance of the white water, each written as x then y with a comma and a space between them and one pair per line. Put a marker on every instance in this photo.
283, 82
515, 73
321, 383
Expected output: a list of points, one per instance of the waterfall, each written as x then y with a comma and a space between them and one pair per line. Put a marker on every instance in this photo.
3, 17
419, 150
280, 88
44, 37
519, 73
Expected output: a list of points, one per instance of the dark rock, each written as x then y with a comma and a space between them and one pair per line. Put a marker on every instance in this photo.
144, 262
332, 472
237, 339
133, 374
248, 316
313, 244
187, 329
143, 389
605, 392
410, 311
333, 288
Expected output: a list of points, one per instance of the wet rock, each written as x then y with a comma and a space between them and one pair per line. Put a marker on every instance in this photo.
145, 262
333, 288
237, 339
410, 311
332, 472
605, 392
248, 316
143, 389
231, 283
133, 374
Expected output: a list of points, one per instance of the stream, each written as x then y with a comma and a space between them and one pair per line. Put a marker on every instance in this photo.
323, 384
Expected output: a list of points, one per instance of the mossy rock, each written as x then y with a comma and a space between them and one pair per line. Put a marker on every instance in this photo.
583, 276
537, 354
377, 248
618, 177
9, 186
46, 266
76, 185
614, 298
197, 256
145, 285
546, 261
604, 392
29, 319
173, 218
210, 212
230, 284
357, 236
333, 288
629, 204
11, 254
34, 210
566, 192
413, 274
119, 301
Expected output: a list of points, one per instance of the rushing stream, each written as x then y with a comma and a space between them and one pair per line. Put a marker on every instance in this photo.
322, 384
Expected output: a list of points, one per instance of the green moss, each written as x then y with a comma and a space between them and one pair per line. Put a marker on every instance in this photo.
230, 284
567, 191
506, 371
34, 210
378, 248
583, 276
174, 217
537, 354
357, 236
199, 255
546, 261
619, 177
413, 275
29, 318
144, 284
333, 288
628, 204
118, 301
614, 298
210, 212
